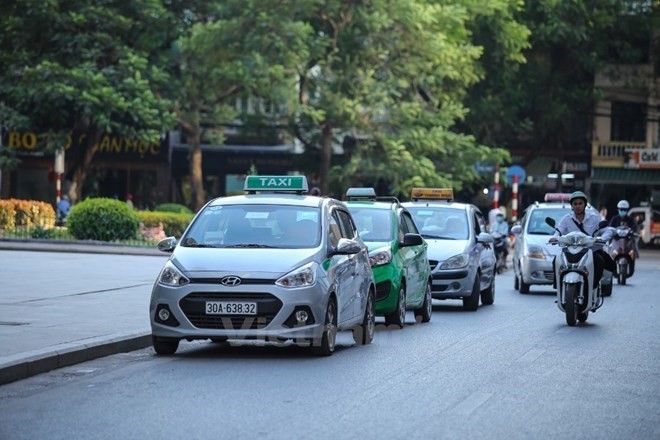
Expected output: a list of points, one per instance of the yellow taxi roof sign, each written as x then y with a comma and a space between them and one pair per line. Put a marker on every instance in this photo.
432, 194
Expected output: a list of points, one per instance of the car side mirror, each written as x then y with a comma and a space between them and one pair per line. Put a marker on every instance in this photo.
346, 247
167, 244
483, 237
516, 230
411, 239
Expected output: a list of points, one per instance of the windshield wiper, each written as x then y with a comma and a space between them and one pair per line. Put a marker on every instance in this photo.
199, 245
250, 245
439, 237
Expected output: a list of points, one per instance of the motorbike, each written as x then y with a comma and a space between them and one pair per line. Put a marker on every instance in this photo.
622, 251
577, 293
501, 252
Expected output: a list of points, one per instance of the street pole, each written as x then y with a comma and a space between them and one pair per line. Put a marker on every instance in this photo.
514, 202
496, 187
59, 170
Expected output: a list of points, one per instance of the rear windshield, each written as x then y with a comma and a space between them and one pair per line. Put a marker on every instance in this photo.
536, 224
267, 226
373, 224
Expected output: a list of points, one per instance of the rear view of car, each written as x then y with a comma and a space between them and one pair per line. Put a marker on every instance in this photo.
274, 264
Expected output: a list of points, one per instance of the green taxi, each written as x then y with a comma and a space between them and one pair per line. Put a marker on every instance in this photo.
397, 254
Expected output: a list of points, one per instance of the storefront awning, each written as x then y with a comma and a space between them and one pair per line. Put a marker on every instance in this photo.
626, 176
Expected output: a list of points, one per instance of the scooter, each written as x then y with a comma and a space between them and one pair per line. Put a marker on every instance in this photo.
577, 294
500, 248
622, 251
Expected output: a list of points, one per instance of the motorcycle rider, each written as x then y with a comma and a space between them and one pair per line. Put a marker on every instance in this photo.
623, 219
500, 226
587, 222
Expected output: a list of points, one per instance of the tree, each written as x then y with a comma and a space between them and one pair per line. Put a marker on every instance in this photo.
78, 69
238, 48
392, 75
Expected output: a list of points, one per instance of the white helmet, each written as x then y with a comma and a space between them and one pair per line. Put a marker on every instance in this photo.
623, 204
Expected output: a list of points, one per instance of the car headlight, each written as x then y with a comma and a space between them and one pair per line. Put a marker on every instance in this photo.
380, 257
456, 262
534, 251
172, 276
302, 277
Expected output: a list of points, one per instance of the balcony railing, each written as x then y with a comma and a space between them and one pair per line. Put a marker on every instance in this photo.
611, 154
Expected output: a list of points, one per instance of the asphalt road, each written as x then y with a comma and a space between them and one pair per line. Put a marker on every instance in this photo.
513, 370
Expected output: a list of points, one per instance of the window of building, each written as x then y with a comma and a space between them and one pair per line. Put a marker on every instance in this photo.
628, 122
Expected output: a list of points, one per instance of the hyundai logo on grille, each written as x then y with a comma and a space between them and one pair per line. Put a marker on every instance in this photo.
231, 281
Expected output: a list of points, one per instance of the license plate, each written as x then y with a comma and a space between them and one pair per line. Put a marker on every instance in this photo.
231, 308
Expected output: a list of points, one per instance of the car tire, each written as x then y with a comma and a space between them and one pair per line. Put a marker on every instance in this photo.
398, 316
488, 294
524, 287
325, 346
471, 303
516, 281
425, 312
363, 334
164, 346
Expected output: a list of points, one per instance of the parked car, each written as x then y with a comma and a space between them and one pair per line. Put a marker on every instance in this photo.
648, 222
274, 264
397, 254
532, 254
460, 249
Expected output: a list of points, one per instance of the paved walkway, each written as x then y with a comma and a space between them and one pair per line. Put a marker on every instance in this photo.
49, 330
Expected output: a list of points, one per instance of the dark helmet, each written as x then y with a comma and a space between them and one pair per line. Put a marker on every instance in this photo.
578, 195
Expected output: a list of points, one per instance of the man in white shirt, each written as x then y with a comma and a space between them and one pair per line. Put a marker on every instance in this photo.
587, 222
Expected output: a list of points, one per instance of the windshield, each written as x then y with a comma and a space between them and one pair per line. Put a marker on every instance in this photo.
373, 224
440, 223
255, 226
536, 224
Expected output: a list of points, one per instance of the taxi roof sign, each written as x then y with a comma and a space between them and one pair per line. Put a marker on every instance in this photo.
557, 197
432, 194
361, 193
276, 184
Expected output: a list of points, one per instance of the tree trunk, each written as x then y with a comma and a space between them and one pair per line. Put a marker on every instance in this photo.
198, 196
87, 147
326, 158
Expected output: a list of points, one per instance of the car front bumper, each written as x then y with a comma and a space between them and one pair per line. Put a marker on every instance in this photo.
536, 270
274, 319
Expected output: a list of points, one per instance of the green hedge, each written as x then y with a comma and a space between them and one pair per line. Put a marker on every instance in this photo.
173, 224
103, 219
173, 207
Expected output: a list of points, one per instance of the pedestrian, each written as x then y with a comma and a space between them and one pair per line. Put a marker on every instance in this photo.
63, 208
129, 200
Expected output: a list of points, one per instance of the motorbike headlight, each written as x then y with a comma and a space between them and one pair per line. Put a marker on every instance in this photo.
172, 276
534, 251
456, 262
380, 257
302, 277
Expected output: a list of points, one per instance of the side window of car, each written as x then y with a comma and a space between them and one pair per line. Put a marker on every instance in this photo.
409, 223
348, 229
334, 230
481, 223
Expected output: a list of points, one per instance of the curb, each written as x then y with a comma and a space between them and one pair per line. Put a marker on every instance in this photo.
77, 247
24, 365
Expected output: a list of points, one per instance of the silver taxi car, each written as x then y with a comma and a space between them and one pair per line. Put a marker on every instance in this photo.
460, 250
274, 264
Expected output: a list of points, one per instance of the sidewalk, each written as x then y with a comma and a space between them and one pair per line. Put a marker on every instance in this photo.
45, 329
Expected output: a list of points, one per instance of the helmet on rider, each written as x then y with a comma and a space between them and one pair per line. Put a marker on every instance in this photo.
623, 205
578, 195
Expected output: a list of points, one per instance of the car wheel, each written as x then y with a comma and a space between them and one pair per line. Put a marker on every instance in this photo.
398, 316
164, 345
424, 313
363, 334
524, 287
488, 294
326, 345
471, 303
516, 282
